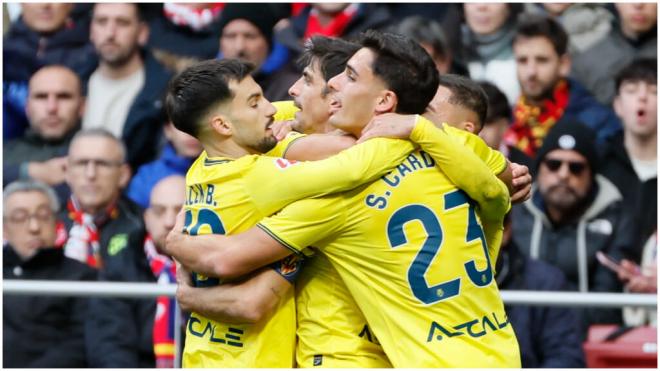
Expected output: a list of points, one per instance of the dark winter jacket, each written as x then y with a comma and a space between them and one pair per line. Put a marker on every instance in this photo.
598, 65
549, 337
603, 226
44, 331
583, 107
637, 195
169, 163
119, 334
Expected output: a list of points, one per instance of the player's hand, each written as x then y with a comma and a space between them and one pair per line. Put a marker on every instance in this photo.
281, 129
51, 172
522, 183
184, 284
176, 236
389, 125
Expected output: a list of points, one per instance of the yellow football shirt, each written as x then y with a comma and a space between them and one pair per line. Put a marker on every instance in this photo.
226, 196
412, 253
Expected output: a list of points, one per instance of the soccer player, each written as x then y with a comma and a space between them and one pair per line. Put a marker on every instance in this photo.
230, 188
414, 194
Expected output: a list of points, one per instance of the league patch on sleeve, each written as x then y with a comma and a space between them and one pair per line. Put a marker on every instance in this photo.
288, 267
283, 163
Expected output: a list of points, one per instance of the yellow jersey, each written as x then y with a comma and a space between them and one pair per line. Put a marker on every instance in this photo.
228, 196
412, 252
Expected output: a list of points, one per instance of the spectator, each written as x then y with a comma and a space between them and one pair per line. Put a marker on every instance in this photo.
132, 332
548, 336
125, 91
333, 20
430, 35
630, 158
177, 156
633, 35
585, 24
486, 44
184, 33
54, 107
574, 212
99, 223
39, 332
540, 46
642, 278
46, 33
498, 119
247, 33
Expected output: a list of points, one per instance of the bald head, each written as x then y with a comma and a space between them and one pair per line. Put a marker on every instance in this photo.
55, 103
167, 198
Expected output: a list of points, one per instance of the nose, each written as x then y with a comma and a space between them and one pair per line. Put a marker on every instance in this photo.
170, 218
51, 103
272, 110
563, 171
33, 225
294, 90
90, 170
335, 82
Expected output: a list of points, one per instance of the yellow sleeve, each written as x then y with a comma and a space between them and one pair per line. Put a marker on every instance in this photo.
463, 167
494, 159
285, 110
306, 222
283, 145
276, 182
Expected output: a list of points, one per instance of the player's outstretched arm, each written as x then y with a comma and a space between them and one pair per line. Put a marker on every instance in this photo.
246, 301
457, 160
223, 256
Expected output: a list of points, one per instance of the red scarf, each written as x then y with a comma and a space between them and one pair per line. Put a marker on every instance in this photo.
196, 19
82, 242
164, 270
334, 28
532, 123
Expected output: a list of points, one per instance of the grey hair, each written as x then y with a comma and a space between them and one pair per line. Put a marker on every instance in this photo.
31, 186
103, 133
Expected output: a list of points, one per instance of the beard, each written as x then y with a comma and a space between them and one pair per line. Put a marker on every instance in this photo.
117, 58
563, 197
265, 145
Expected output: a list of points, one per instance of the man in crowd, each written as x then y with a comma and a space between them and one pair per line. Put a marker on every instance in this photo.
124, 94
98, 221
574, 213
630, 159
543, 64
39, 332
54, 107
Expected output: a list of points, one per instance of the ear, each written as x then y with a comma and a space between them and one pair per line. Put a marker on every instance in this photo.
564, 65
221, 125
387, 102
124, 175
469, 126
143, 34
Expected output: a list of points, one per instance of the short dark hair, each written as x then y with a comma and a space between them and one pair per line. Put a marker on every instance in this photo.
405, 67
198, 88
498, 104
331, 53
140, 10
642, 69
427, 31
466, 93
532, 25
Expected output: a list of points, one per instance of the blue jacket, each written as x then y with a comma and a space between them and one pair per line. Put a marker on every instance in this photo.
547, 336
169, 163
585, 108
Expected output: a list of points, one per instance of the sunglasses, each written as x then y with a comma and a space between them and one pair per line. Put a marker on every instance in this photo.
576, 168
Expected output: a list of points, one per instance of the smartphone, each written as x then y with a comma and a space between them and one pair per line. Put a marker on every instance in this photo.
608, 261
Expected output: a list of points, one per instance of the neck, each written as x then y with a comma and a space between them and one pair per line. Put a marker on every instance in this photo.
641, 147
556, 216
322, 128
225, 148
127, 69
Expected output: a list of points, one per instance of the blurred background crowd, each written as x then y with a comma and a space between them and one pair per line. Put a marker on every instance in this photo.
93, 172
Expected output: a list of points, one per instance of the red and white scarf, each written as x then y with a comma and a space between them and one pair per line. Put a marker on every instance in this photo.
196, 19
164, 270
83, 238
335, 28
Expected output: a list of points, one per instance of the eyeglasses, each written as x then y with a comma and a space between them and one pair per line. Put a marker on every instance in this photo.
42, 215
103, 165
575, 167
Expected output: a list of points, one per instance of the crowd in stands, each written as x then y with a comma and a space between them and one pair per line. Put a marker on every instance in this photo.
94, 171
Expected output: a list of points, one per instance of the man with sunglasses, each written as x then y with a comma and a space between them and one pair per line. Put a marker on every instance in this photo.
574, 212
